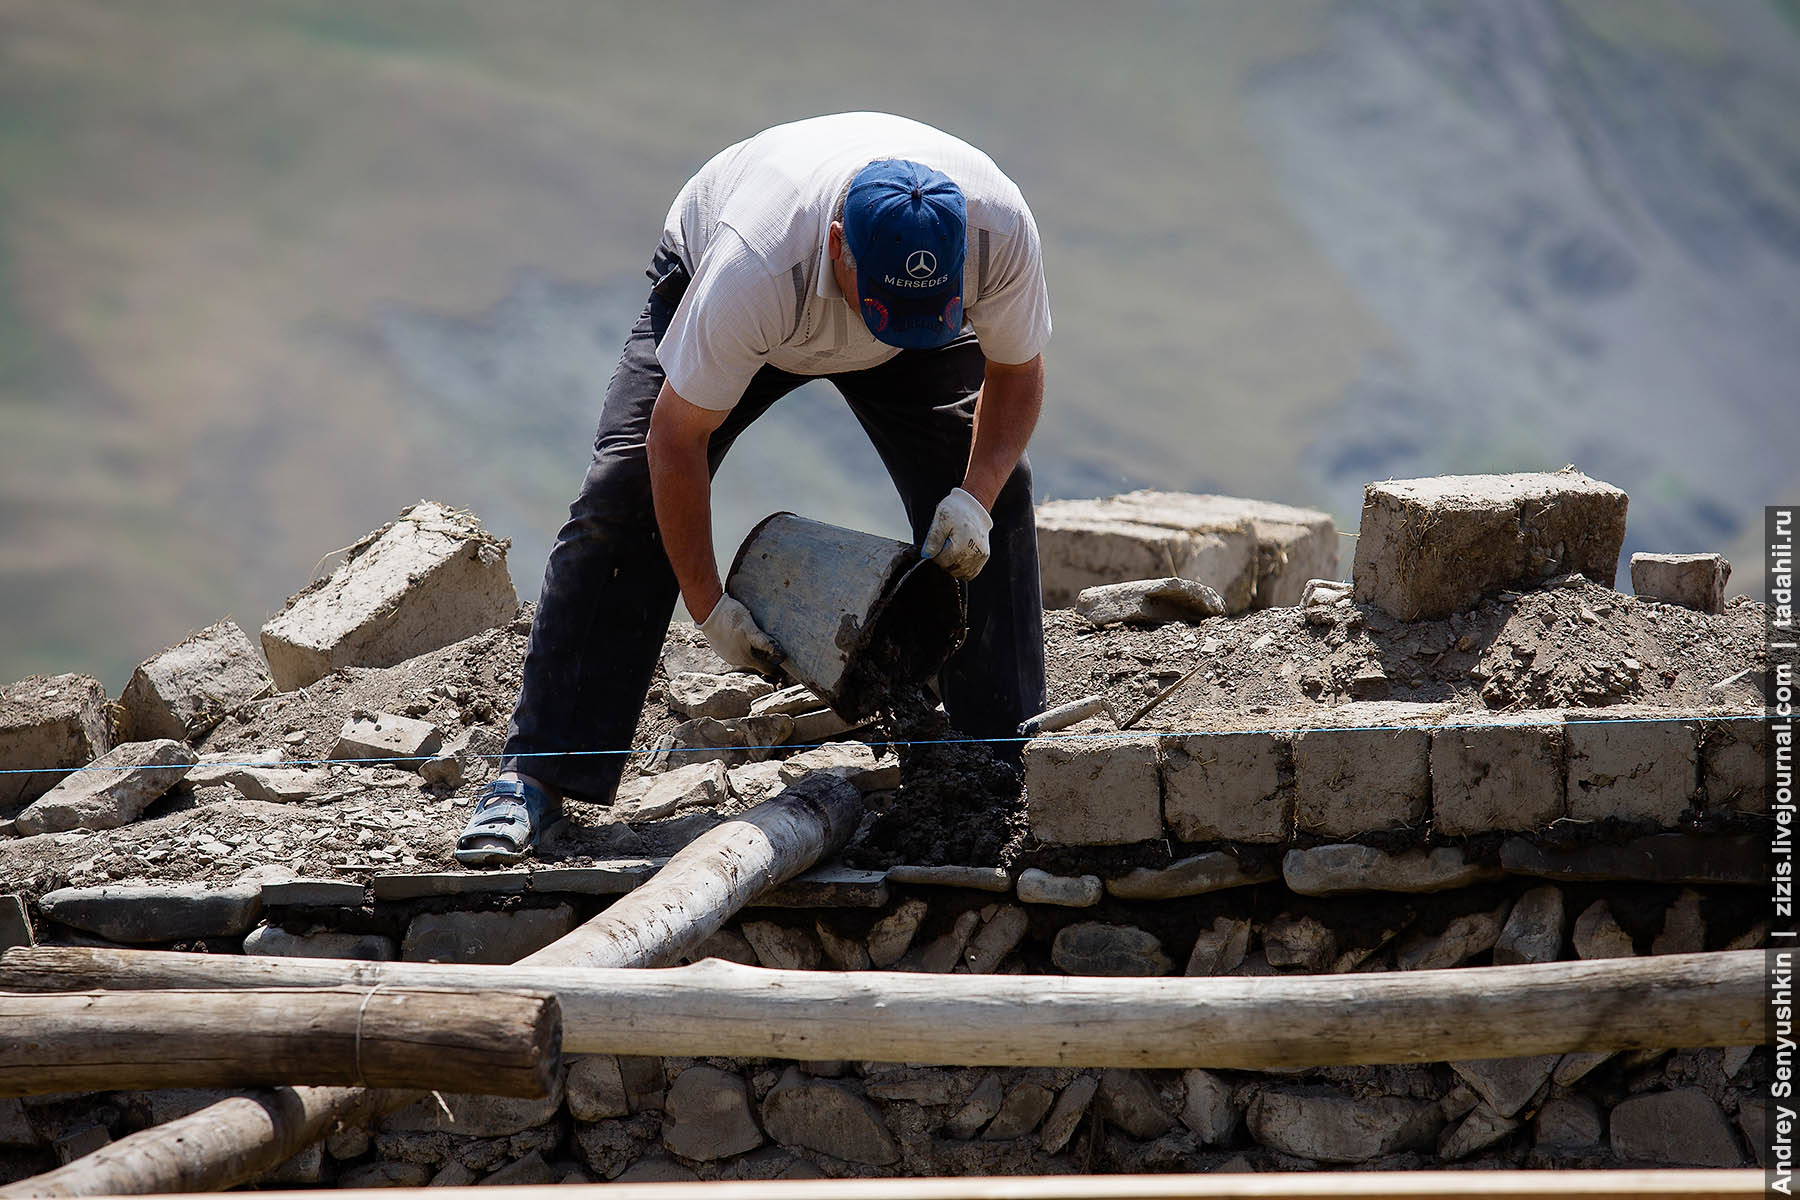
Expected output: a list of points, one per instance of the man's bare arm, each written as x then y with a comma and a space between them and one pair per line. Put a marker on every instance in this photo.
1006, 413
681, 486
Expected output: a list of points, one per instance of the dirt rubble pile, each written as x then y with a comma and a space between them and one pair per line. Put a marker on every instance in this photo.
1318, 785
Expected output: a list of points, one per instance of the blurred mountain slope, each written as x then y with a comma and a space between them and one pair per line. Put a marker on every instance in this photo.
268, 273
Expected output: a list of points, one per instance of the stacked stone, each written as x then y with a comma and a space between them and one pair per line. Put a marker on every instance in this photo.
1374, 767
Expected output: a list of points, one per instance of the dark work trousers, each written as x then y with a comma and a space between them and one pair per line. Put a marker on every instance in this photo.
609, 591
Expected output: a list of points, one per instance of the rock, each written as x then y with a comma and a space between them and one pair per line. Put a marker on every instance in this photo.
349, 1141
1229, 786
1753, 1123
1085, 543
780, 948
484, 937
312, 893
854, 762
656, 1170
1070, 1107
1634, 763
385, 1174
733, 741
49, 725
1364, 771
304, 1169
15, 923
1210, 872
1128, 1100
111, 791
1068, 891
980, 879
1327, 1126
1349, 867
653, 797
698, 695
1506, 1085
826, 1117
999, 937
156, 912
1575, 1067
1023, 1108
1479, 1130
442, 771
749, 784
726, 945
645, 1082
595, 1088
980, 1108
276, 941
1597, 934
1463, 938
1220, 950
1208, 1109
1149, 602
1302, 942
1096, 948
1732, 758
829, 887
1658, 858
529, 1170
1694, 581
943, 953
384, 737
472, 1115
707, 1116
1533, 930
893, 934
1682, 1126
1323, 601
844, 954
15, 1127
790, 701
1567, 1122
184, 691
267, 785
1430, 547
915, 1085
686, 652
431, 578
408, 885
821, 725
1497, 773
1101, 793
1684, 930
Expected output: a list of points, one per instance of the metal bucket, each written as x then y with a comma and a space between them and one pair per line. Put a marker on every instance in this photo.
854, 612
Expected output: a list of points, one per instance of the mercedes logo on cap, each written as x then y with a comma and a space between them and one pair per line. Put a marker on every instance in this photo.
921, 264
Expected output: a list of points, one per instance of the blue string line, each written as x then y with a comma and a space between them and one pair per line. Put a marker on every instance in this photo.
1099, 735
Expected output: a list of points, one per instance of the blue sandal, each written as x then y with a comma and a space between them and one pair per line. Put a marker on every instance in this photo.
511, 812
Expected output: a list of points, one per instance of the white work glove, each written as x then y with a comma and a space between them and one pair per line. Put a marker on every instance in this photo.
735, 637
958, 538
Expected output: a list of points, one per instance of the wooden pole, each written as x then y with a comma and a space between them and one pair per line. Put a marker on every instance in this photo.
505, 1043
713, 877
1688, 1184
236, 1139
781, 838
720, 1008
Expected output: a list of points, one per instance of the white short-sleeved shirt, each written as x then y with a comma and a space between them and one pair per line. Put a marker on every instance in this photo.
752, 230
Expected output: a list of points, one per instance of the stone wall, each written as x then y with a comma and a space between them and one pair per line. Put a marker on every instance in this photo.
1246, 910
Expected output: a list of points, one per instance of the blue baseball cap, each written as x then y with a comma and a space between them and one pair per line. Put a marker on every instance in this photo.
906, 227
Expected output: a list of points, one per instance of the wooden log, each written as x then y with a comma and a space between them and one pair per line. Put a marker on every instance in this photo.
720, 1008
713, 877
1689, 1184
726, 868
236, 1139
503, 1043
